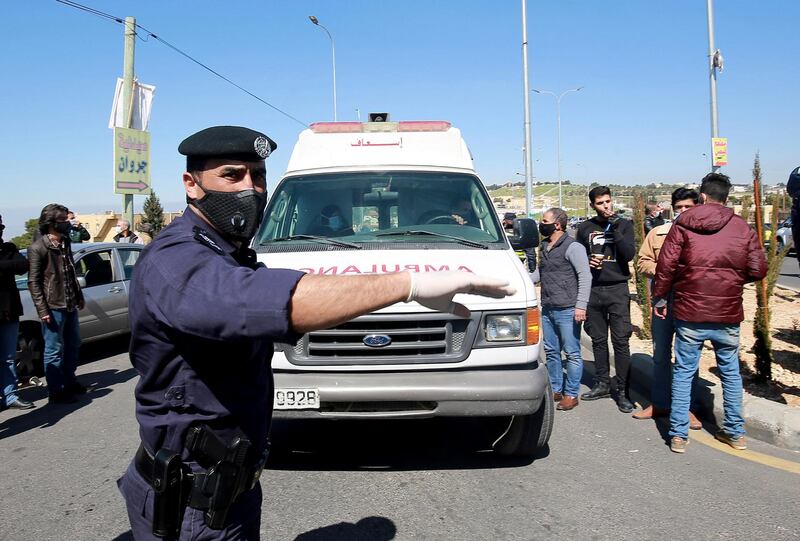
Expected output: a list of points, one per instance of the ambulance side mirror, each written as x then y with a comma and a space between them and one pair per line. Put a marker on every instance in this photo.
526, 234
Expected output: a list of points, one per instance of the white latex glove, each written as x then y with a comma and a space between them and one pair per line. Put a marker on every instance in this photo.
436, 290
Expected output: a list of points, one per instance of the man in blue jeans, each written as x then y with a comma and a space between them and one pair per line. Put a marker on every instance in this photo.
11, 264
566, 281
57, 296
707, 257
663, 330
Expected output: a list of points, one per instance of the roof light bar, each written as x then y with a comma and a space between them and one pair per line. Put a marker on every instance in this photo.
367, 127
424, 125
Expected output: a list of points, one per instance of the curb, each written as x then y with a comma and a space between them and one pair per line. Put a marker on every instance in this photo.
764, 420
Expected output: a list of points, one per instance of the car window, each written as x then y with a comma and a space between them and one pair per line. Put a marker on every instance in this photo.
96, 269
129, 258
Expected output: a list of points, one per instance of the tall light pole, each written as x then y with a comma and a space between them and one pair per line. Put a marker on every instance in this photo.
714, 63
527, 123
333, 51
558, 133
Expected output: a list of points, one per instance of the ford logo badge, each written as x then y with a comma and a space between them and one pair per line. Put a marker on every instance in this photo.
377, 340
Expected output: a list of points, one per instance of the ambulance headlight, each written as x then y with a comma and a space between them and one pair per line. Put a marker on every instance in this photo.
505, 328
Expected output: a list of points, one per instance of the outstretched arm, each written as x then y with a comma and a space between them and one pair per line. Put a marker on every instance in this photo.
321, 302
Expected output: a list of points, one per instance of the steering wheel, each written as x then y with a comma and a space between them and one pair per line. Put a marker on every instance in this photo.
445, 218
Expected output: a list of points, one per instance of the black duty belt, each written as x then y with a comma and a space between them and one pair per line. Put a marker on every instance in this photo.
145, 465
213, 491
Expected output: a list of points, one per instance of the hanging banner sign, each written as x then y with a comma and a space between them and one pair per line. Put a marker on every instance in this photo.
720, 149
131, 161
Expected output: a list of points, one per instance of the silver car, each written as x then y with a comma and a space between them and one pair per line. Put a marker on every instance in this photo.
104, 272
783, 236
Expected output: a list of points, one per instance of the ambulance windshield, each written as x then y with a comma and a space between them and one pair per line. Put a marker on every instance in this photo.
378, 207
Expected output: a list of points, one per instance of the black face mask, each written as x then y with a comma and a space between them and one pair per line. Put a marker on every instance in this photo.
235, 214
63, 227
547, 229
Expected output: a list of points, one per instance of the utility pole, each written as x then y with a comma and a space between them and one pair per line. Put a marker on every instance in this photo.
528, 150
712, 68
127, 100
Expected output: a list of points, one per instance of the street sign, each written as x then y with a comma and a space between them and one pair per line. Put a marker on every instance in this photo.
720, 148
131, 161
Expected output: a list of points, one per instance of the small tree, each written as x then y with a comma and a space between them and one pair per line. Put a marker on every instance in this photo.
153, 213
764, 288
26, 239
747, 202
642, 283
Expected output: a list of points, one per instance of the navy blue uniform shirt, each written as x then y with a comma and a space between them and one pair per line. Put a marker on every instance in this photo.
204, 317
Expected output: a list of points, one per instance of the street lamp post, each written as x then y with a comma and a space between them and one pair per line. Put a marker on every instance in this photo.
714, 64
314, 20
558, 133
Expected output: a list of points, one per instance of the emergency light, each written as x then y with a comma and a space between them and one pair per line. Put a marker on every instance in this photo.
371, 127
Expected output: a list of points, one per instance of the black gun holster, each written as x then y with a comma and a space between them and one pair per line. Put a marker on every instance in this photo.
213, 491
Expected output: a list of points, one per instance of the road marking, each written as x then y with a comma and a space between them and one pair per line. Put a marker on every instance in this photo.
705, 438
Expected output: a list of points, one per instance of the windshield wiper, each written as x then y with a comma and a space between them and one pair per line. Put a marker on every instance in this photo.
415, 232
323, 240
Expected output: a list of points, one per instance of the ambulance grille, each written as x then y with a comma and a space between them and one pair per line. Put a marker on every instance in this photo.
413, 339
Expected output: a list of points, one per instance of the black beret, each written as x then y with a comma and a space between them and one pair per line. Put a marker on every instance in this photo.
234, 142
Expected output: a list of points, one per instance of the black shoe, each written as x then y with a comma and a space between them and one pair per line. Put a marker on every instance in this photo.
21, 405
61, 398
75, 388
600, 390
624, 405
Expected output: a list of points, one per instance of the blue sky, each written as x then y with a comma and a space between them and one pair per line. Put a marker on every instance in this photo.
642, 117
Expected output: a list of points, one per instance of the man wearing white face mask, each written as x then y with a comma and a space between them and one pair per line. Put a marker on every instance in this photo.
331, 217
124, 233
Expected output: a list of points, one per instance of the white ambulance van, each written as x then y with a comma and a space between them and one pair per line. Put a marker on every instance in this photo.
378, 197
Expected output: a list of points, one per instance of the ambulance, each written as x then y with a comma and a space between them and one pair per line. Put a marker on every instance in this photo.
379, 197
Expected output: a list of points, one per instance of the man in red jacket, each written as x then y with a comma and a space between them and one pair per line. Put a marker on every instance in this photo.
707, 257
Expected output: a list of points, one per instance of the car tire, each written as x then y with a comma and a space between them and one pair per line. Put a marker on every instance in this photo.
30, 353
779, 242
527, 435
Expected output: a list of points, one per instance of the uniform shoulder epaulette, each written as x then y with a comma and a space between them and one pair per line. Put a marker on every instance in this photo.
201, 235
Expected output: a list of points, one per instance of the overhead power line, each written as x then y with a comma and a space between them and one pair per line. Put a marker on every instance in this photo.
186, 55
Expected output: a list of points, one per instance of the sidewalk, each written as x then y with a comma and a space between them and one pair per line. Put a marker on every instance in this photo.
765, 420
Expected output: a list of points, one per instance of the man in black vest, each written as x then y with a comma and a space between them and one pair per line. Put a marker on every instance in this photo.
566, 281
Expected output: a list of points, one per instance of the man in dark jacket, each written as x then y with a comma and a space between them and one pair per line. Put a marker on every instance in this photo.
124, 233
653, 218
793, 188
57, 296
609, 242
707, 257
77, 233
11, 264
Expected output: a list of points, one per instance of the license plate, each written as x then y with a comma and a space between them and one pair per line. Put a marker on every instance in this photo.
296, 399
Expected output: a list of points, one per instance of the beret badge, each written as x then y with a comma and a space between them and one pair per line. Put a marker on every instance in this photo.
261, 147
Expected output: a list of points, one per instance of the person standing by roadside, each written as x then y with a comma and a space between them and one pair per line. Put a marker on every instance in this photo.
707, 257
793, 188
653, 218
609, 242
77, 233
12, 263
124, 233
663, 329
57, 296
566, 280
145, 233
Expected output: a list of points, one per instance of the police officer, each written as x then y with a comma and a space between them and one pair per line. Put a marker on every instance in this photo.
204, 315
